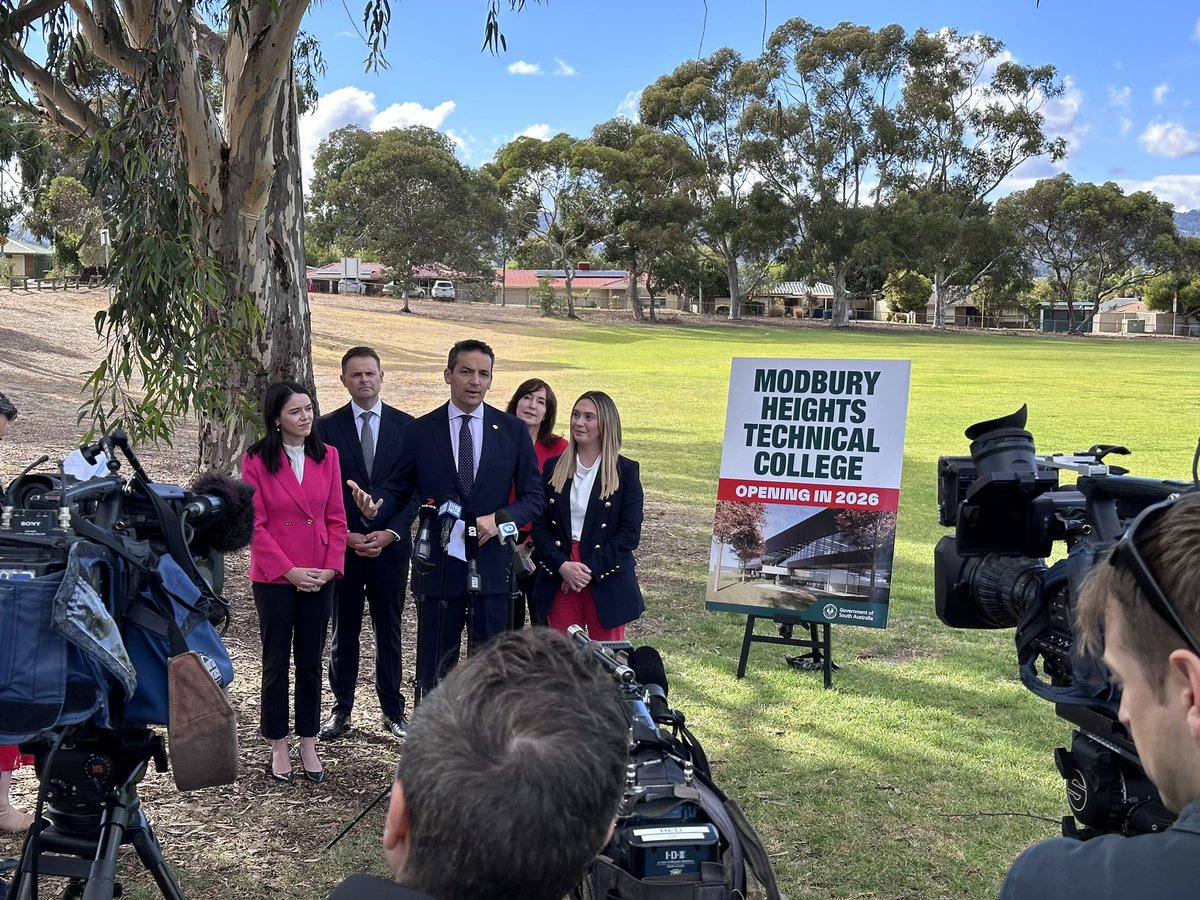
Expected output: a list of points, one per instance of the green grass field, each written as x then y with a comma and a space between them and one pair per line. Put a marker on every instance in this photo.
927, 767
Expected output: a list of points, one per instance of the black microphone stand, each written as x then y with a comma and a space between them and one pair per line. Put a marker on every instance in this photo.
474, 584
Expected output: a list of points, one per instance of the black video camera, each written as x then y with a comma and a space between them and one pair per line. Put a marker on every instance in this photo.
675, 829
1008, 510
102, 581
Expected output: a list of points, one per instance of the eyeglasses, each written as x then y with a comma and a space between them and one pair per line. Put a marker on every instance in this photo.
1126, 554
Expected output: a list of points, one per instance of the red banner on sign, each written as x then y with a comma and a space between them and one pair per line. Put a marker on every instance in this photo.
739, 490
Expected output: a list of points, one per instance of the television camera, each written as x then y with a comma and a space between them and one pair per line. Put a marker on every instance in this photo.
677, 835
1008, 509
102, 580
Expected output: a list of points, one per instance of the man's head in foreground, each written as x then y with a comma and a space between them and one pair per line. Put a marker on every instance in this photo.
1121, 609
509, 780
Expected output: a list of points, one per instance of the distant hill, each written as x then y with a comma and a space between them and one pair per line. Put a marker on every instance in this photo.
1188, 222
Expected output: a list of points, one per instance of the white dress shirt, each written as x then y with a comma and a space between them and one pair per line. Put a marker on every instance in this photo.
475, 424
377, 409
295, 455
581, 493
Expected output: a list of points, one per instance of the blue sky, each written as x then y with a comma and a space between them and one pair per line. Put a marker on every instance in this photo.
1130, 111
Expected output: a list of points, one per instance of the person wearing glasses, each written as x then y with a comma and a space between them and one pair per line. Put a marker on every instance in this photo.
1141, 605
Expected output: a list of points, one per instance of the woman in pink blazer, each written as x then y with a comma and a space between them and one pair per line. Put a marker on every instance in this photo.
298, 548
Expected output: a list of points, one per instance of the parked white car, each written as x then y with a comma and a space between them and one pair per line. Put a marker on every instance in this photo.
392, 290
351, 286
443, 290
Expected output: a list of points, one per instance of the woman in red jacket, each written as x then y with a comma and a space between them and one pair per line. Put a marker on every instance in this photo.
298, 548
534, 403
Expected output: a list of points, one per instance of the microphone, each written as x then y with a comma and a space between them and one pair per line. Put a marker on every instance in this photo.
423, 547
651, 674
451, 511
471, 541
224, 507
508, 533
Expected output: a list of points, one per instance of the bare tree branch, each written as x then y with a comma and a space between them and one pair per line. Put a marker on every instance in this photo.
55, 95
106, 36
28, 13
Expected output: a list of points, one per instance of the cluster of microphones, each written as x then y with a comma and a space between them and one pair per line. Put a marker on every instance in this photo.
444, 517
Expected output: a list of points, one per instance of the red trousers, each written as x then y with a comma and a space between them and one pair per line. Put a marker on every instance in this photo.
11, 758
579, 608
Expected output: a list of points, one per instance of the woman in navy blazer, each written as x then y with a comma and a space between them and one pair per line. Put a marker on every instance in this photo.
298, 548
592, 523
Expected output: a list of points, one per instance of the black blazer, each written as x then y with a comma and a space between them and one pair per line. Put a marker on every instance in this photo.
340, 429
612, 530
426, 470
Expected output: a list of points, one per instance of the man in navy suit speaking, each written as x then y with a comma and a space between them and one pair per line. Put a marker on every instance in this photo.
366, 432
475, 455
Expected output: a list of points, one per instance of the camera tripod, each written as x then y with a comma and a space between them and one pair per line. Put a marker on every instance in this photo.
85, 828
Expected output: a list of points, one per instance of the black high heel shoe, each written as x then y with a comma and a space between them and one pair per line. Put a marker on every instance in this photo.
315, 777
286, 777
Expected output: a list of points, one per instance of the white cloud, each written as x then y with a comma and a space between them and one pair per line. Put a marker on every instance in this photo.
353, 106
1061, 115
1120, 102
630, 106
564, 69
1181, 190
345, 106
541, 131
520, 67
402, 115
1160, 93
1169, 139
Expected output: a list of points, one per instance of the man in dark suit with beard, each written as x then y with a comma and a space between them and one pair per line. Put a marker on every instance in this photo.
366, 433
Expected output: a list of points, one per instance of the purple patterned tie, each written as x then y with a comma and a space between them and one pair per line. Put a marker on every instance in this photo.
466, 459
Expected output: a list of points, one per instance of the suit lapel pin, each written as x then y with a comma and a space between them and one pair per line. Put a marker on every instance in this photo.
495, 427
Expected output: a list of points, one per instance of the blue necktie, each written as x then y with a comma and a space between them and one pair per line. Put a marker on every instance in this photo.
466, 458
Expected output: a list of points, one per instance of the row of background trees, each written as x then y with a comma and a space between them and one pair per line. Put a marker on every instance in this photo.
847, 155
843, 155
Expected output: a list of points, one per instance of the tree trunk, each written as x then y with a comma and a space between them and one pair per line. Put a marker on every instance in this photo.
735, 295
939, 296
841, 302
635, 302
570, 276
259, 238
503, 278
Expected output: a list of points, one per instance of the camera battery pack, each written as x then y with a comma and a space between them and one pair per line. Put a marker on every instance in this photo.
669, 851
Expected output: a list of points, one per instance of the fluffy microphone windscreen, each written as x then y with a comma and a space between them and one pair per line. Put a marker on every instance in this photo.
235, 527
648, 667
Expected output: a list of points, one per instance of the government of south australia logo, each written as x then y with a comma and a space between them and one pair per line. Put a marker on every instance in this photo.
830, 610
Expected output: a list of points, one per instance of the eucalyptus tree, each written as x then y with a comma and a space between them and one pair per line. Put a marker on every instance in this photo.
966, 119
826, 139
403, 197
1094, 239
198, 164
1178, 290
570, 207
646, 175
705, 102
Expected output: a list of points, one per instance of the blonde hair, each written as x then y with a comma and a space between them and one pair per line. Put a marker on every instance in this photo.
609, 421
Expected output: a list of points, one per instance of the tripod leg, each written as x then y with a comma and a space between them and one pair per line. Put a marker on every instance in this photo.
374, 803
102, 877
150, 853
